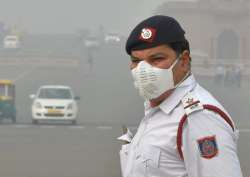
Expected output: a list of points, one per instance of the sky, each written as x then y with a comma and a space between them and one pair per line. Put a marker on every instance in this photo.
67, 16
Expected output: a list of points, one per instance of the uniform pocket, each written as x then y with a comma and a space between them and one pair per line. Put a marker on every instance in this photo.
152, 156
147, 161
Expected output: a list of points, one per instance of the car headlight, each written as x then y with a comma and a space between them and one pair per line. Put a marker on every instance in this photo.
38, 105
70, 106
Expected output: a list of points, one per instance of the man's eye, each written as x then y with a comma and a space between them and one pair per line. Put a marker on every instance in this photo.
136, 61
158, 58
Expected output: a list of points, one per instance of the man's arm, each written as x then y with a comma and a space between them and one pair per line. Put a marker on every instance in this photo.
210, 146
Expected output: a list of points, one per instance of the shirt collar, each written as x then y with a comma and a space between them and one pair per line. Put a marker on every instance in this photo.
173, 100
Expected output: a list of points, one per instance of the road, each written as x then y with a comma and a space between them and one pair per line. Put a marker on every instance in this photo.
108, 100
69, 151
58, 151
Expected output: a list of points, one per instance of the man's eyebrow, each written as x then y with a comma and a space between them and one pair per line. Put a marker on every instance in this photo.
133, 58
156, 55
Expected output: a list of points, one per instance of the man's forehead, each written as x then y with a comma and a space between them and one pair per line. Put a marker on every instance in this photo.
161, 49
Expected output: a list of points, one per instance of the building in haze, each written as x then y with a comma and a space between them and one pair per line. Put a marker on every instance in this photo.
219, 30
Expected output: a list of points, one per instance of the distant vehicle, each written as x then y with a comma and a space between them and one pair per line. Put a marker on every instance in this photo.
11, 42
112, 38
7, 100
54, 102
92, 42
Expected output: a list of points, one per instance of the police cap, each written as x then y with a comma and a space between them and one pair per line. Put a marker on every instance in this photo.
154, 31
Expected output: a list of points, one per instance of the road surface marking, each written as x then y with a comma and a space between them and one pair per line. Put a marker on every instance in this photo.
76, 127
132, 127
104, 128
47, 126
21, 126
19, 77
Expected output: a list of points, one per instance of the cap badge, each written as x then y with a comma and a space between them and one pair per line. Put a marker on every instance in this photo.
147, 34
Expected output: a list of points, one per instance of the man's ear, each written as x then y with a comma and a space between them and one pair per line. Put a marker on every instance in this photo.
185, 58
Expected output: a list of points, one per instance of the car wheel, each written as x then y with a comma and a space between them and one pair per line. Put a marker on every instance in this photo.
34, 121
73, 122
13, 119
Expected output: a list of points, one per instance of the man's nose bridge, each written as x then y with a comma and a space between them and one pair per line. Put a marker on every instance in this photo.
144, 62
138, 64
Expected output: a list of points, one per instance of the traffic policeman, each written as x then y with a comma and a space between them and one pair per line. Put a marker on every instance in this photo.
186, 132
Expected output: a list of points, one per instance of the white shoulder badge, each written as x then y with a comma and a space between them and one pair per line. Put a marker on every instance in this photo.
191, 103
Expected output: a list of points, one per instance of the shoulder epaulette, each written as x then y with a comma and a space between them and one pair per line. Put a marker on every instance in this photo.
191, 103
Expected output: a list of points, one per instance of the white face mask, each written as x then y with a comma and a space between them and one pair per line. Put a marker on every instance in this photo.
152, 81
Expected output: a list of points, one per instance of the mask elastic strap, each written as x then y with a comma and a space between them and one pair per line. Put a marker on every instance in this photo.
184, 78
175, 62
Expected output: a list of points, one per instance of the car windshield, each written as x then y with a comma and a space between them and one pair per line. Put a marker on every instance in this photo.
7, 90
11, 39
54, 93
2, 90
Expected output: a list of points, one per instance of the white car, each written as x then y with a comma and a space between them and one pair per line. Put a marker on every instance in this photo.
112, 38
92, 42
11, 42
54, 102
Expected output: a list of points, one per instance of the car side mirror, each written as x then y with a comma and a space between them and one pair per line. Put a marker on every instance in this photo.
77, 98
32, 96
